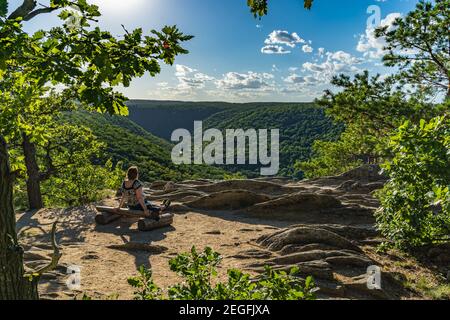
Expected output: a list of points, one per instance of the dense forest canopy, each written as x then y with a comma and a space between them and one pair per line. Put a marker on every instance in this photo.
300, 125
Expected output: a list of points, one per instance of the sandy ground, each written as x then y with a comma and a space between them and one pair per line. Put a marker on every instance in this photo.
104, 271
105, 264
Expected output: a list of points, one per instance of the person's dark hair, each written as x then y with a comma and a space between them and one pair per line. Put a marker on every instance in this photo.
132, 173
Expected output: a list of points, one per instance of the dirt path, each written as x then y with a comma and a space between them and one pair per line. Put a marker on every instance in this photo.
104, 270
331, 236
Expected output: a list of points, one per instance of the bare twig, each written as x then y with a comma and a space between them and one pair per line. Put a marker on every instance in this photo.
126, 31
55, 257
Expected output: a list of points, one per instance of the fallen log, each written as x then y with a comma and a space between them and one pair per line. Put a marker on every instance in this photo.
122, 212
146, 224
106, 218
110, 214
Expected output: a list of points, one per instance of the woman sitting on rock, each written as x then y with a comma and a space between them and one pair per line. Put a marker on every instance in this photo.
132, 196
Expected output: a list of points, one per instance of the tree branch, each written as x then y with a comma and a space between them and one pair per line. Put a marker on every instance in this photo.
27, 11
23, 10
55, 257
36, 12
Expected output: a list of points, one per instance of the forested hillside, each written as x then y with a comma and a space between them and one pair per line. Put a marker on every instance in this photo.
162, 117
130, 144
300, 124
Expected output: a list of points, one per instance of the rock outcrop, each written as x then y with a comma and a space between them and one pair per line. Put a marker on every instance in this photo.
330, 254
341, 199
335, 216
322, 226
228, 200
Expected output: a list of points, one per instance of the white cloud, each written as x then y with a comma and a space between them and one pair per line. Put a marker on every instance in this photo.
308, 80
371, 46
273, 49
181, 70
188, 78
335, 63
203, 77
294, 78
307, 49
244, 81
343, 57
283, 38
321, 52
297, 79
187, 83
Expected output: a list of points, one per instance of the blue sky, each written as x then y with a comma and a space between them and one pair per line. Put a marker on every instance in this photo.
289, 55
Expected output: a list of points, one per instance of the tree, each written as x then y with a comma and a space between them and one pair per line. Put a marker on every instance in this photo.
371, 108
39, 113
87, 61
352, 149
415, 203
75, 173
108, 64
419, 44
260, 8
379, 105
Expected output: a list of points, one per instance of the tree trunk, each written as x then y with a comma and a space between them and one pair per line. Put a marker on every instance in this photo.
13, 284
34, 176
447, 98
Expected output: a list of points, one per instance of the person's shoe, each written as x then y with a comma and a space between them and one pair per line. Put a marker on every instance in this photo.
167, 204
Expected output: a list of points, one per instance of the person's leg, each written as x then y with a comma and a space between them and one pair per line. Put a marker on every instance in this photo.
138, 207
154, 210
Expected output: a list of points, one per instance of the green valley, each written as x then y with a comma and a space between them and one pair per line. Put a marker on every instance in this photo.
300, 124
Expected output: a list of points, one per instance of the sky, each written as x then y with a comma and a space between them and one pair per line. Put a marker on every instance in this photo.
289, 55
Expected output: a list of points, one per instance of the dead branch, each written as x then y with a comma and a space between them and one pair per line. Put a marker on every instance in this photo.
55, 256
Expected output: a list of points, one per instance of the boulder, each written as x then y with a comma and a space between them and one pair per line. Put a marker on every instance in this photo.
365, 173
298, 204
227, 200
256, 186
351, 232
305, 235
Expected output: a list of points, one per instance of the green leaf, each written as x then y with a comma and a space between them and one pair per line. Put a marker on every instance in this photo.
3, 8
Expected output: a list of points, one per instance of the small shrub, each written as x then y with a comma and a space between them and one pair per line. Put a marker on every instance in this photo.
198, 270
415, 203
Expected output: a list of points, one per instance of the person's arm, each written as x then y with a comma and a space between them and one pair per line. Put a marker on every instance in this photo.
122, 198
140, 198
122, 201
